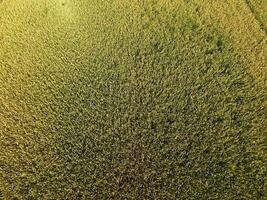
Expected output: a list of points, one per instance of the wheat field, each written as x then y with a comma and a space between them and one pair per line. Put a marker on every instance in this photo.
141, 99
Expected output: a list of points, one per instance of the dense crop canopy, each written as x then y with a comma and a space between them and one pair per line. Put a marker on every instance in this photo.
142, 99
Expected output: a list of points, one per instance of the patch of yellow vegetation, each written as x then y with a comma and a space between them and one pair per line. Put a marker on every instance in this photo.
259, 8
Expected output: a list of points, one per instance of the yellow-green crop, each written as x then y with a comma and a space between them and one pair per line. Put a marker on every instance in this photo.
140, 99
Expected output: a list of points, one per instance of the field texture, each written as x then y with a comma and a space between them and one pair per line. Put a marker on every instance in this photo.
140, 99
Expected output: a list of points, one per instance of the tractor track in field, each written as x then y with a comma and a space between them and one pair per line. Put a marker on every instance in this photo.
255, 15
